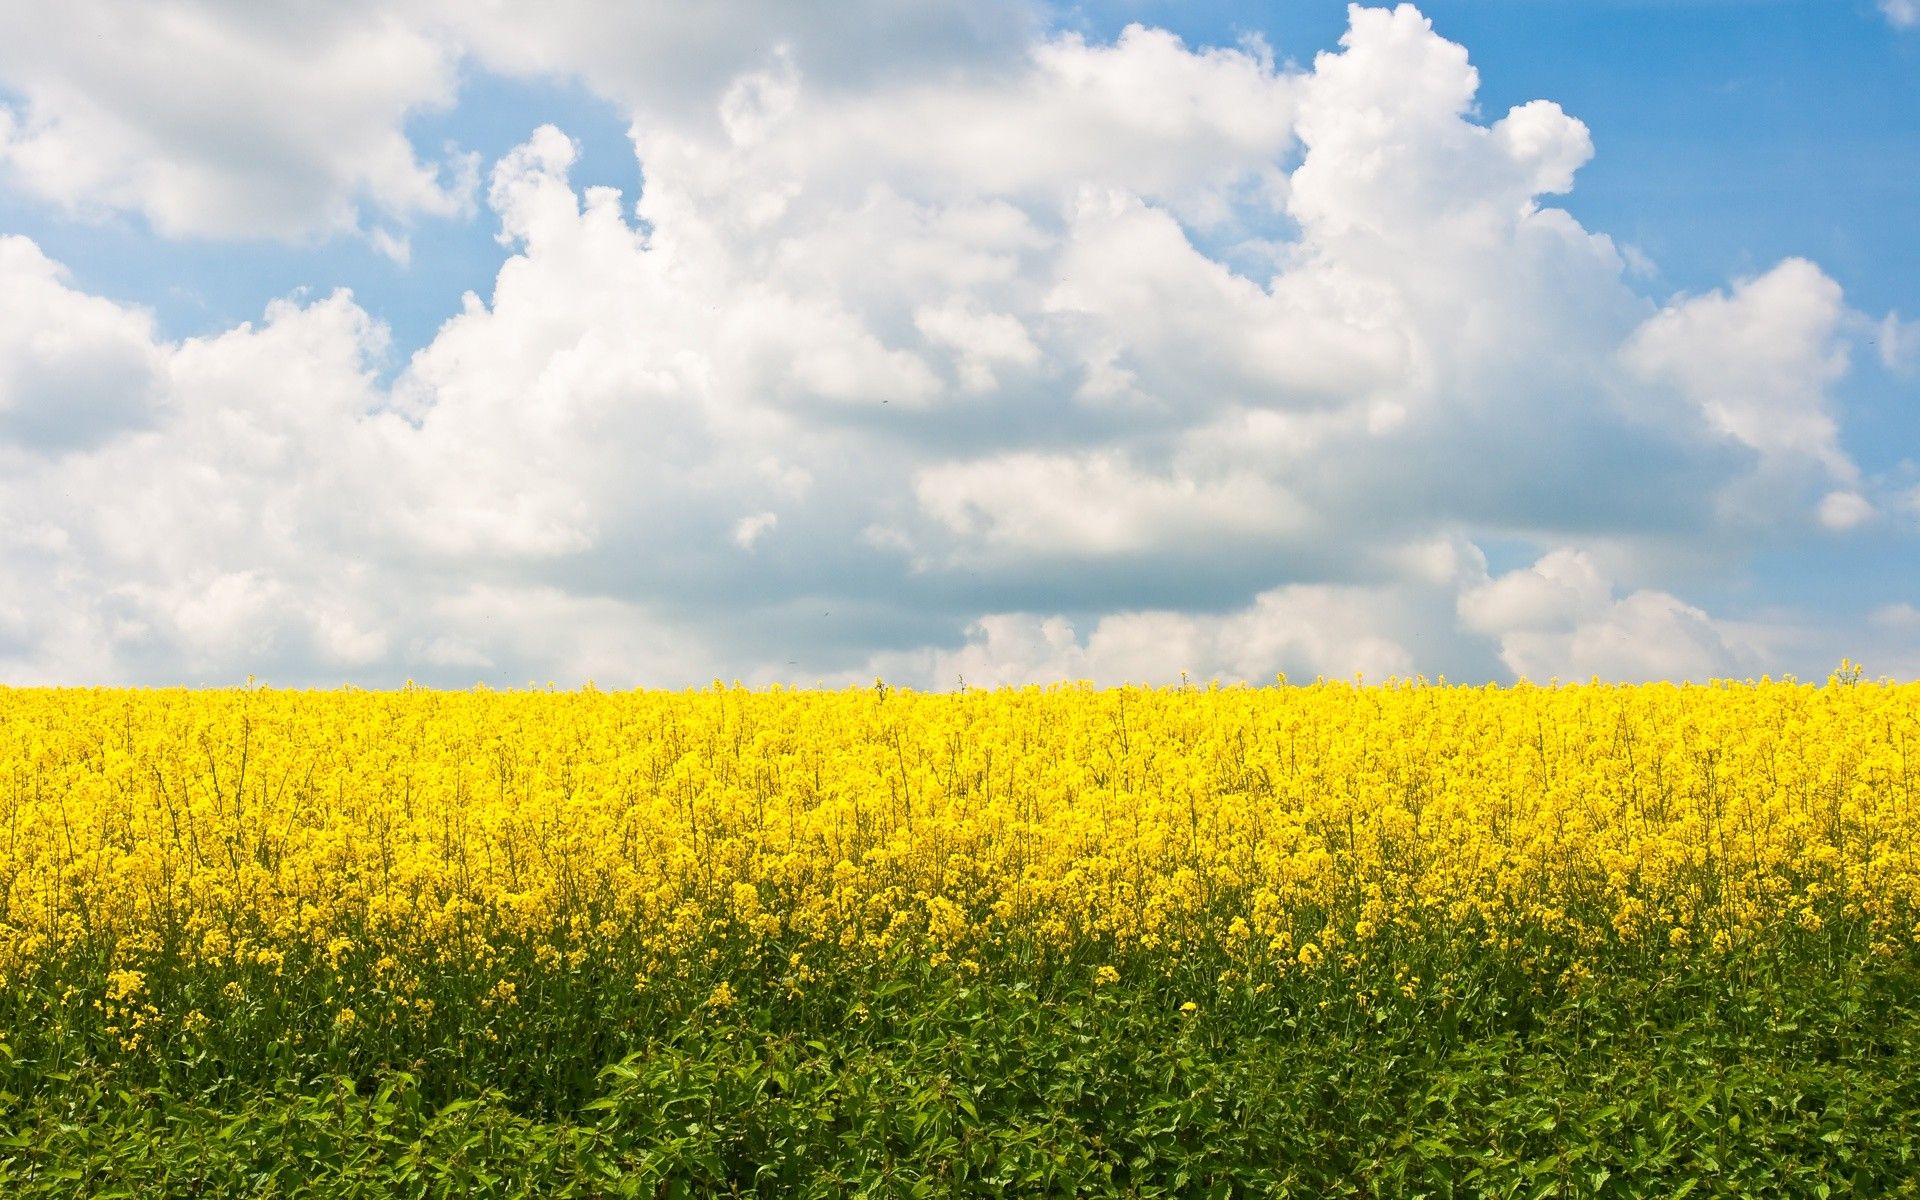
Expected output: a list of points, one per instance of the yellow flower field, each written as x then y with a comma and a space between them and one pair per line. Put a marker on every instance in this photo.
1314, 940
1279, 825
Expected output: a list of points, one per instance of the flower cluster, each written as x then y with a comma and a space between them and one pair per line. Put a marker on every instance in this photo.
525, 835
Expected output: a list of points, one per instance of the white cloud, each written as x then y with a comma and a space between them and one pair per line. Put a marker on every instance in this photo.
74, 369
1303, 631
980, 341
212, 120
1163, 357
1097, 504
1898, 343
1896, 616
289, 121
1757, 363
1175, 323
1556, 592
533, 634
669, 60
1396, 156
1901, 14
1562, 618
1841, 511
259, 523
750, 529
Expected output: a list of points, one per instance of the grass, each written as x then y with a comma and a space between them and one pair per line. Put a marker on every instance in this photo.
914, 1081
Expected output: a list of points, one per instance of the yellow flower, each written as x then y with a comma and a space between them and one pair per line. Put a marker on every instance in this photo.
649, 834
125, 985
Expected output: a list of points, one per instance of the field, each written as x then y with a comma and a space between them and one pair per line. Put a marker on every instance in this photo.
1389, 940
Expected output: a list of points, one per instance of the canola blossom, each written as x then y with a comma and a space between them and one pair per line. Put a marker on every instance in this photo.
1332, 939
1284, 829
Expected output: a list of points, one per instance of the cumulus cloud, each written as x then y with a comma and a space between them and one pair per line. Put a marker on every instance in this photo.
1387, 629
1563, 617
1094, 505
1898, 343
257, 524
215, 120
1068, 359
289, 121
669, 60
1901, 14
1758, 363
74, 369
1845, 510
1305, 631
214, 532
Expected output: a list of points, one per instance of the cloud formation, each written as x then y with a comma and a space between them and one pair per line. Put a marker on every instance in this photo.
211, 119
1071, 358
1561, 617
289, 121
1757, 364
75, 370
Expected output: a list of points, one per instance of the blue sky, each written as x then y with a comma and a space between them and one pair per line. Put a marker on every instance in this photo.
1018, 339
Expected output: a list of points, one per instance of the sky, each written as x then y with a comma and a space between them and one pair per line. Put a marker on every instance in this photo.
953, 344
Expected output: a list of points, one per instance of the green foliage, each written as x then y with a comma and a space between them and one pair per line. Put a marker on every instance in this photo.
909, 1080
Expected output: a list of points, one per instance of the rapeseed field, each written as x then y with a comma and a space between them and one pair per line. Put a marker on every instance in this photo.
1395, 939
